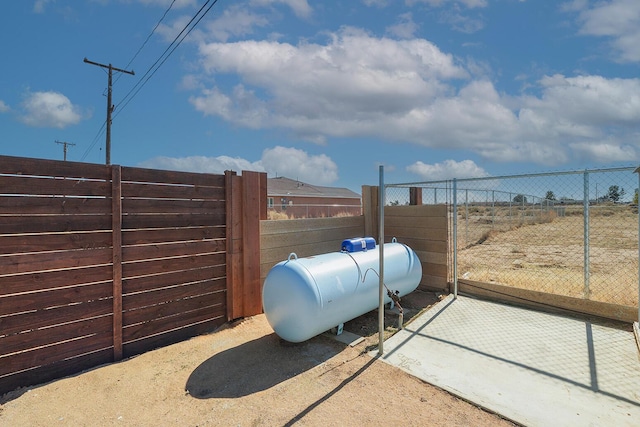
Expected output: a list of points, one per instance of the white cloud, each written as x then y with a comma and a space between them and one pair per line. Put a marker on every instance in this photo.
281, 161
318, 90
405, 28
448, 169
39, 5
297, 164
178, 4
377, 3
4, 107
359, 86
605, 152
439, 3
618, 20
299, 7
49, 109
202, 164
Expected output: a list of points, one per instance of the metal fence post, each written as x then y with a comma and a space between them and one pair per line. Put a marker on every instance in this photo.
466, 217
381, 202
455, 238
585, 203
638, 210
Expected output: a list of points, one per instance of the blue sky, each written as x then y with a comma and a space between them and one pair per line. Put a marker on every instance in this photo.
326, 91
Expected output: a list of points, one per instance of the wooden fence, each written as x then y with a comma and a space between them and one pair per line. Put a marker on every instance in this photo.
305, 237
423, 228
103, 262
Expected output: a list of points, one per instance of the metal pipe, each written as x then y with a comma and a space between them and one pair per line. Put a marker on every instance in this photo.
381, 267
638, 209
585, 203
455, 238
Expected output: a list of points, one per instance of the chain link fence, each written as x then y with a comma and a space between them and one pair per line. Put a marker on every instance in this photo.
567, 233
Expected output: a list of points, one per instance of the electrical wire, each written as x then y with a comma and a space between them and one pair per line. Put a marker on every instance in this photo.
163, 58
95, 140
157, 64
164, 15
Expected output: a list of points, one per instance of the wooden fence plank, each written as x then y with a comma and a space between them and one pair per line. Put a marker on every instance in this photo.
160, 296
290, 239
178, 192
52, 186
154, 251
54, 334
547, 301
172, 322
302, 225
140, 237
174, 308
172, 278
42, 167
53, 205
134, 221
164, 206
407, 231
39, 281
39, 261
19, 303
142, 268
53, 223
131, 174
16, 244
61, 314
53, 353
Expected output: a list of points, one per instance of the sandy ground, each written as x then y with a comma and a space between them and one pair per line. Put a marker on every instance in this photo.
244, 375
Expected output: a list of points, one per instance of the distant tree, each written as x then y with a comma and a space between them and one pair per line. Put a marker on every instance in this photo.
615, 193
520, 198
550, 195
394, 203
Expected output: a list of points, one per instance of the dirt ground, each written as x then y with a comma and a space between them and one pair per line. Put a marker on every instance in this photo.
244, 375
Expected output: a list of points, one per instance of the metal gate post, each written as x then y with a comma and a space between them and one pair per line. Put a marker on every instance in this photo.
585, 203
455, 238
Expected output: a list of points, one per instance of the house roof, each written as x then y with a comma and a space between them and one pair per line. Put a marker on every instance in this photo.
283, 186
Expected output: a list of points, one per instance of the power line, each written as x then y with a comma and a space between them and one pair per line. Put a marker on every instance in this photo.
164, 15
164, 56
94, 142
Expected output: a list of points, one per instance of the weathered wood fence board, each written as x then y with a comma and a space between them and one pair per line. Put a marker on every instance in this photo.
102, 262
305, 237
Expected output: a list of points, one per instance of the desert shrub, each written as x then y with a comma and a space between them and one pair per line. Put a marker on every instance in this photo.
275, 215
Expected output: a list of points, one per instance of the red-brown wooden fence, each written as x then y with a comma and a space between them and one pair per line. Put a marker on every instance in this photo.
103, 262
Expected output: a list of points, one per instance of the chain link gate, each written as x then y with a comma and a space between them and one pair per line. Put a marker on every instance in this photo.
569, 233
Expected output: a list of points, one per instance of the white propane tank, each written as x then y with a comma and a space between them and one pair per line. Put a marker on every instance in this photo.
303, 297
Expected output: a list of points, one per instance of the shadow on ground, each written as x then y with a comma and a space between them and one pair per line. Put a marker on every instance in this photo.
257, 365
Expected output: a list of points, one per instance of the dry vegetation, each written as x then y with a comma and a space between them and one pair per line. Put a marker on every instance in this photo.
544, 251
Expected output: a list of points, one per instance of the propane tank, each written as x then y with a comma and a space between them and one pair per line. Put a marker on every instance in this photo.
303, 297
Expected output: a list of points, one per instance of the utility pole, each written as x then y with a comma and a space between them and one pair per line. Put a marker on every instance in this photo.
64, 149
110, 107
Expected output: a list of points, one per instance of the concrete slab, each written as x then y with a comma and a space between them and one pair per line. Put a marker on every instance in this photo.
345, 337
534, 368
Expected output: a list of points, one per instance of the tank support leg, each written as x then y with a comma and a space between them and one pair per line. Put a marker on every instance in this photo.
338, 329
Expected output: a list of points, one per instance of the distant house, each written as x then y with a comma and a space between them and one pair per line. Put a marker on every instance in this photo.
301, 200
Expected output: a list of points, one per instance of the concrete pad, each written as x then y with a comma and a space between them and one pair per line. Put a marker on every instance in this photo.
534, 368
345, 337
